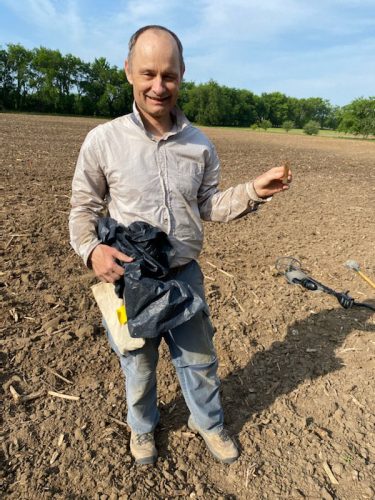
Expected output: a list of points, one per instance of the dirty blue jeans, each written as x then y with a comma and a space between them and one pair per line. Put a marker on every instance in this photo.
194, 358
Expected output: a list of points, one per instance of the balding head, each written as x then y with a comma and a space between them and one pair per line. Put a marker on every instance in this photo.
161, 30
155, 69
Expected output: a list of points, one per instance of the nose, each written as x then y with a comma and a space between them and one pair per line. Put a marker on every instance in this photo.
158, 86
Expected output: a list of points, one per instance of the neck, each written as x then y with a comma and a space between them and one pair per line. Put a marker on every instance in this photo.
157, 127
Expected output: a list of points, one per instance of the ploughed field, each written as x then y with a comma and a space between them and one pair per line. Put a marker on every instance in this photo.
297, 370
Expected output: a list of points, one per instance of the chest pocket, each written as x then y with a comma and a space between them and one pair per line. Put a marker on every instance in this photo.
188, 176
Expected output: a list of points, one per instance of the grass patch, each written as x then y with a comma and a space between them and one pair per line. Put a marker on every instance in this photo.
335, 134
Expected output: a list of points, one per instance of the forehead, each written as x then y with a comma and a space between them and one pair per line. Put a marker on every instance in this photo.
155, 47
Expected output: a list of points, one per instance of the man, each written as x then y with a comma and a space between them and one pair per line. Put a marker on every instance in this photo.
154, 166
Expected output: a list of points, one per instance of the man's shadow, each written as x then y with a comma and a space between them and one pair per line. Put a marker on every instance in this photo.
307, 352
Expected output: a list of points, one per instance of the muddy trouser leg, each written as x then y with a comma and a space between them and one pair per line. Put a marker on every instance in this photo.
139, 368
193, 355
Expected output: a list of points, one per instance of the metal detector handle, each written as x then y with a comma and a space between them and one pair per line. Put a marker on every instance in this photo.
298, 277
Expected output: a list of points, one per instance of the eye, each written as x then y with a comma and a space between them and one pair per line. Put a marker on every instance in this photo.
170, 77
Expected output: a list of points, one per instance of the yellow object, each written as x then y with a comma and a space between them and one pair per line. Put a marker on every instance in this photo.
363, 276
121, 315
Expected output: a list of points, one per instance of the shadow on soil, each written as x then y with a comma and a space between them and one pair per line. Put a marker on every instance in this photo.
306, 353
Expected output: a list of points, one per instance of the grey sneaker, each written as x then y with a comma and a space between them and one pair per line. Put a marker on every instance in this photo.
220, 444
142, 447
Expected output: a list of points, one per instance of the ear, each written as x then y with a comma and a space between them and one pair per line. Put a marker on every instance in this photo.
128, 72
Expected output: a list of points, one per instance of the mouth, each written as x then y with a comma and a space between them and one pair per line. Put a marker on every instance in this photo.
158, 100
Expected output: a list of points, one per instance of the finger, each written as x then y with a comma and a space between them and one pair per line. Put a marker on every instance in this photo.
121, 256
111, 277
277, 173
106, 278
117, 269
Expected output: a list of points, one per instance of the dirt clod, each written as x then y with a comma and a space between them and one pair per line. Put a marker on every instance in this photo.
297, 370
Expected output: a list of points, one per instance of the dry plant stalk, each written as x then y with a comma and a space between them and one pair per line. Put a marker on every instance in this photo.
239, 305
329, 473
60, 440
58, 375
15, 395
63, 396
221, 270
208, 277
119, 422
32, 396
54, 457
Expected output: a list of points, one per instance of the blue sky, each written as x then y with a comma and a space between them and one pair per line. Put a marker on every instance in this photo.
304, 48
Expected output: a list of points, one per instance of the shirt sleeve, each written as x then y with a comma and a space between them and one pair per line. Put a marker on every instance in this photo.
89, 189
224, 206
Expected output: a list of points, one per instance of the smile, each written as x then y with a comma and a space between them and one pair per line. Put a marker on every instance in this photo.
158, 99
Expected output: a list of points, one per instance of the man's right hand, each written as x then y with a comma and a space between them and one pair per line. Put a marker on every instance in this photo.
102, 260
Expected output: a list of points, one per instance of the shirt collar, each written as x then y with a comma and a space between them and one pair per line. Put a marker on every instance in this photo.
179, 119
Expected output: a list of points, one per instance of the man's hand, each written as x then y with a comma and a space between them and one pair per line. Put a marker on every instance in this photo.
102, 260
271, 182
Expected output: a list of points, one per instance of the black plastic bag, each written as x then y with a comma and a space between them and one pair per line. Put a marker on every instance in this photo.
154, 302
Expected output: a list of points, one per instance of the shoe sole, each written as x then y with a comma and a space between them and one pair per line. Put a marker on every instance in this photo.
222, 460
146, 461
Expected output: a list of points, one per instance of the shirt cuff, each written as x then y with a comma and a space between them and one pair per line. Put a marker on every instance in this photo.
86, 254
253, 195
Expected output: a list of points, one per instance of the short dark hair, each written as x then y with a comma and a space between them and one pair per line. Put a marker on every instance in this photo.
156, 27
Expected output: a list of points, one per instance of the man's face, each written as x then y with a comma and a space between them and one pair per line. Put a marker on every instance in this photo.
155, 73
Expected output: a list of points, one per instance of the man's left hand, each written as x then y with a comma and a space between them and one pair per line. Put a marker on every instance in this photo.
272, 182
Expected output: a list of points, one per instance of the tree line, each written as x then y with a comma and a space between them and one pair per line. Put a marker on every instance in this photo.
44, 80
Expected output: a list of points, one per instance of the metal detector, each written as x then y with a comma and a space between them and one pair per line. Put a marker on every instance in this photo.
295, 275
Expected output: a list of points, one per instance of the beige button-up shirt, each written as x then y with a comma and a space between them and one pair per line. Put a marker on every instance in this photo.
171, 183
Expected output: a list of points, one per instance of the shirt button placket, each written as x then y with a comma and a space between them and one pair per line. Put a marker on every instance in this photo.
164, 176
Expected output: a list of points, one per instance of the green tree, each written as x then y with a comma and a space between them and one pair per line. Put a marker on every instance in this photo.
206, 104
45, 82
334, 118
6, 81
287, 125
105, 91
69, 74
184, 94
274, 107
265, 124
358, 117
244, 110
18, 69
311, 127
316, 109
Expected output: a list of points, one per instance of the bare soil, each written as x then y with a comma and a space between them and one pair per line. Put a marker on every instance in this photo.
297, 370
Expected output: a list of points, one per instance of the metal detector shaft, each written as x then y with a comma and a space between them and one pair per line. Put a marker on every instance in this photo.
295, 275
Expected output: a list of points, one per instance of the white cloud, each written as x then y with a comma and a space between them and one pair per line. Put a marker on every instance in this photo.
53, 18
258, 44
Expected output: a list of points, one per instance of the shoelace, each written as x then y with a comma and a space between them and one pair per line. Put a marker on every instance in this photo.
144, 438
223, 434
